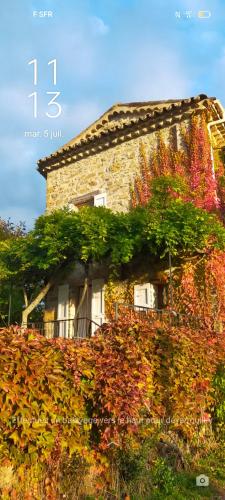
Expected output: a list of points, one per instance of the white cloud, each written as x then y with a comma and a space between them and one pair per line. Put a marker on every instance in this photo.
98, 26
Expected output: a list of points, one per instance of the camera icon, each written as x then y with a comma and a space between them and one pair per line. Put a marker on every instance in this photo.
202, 480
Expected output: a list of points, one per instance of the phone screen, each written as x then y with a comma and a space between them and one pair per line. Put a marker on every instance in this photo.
112, 239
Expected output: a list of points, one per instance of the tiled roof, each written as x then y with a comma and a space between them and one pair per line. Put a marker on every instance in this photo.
126, 121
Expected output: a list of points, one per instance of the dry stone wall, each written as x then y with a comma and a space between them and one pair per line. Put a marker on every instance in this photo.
111, 171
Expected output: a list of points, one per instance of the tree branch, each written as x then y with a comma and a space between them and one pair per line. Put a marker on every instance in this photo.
82, 298
30, 307
25, 297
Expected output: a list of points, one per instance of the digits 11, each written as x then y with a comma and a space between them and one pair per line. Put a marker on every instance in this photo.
35, 64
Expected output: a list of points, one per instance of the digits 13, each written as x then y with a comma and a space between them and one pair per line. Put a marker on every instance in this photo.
57, 108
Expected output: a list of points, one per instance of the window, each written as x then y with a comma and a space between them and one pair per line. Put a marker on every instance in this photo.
86, 203
100, 200
96, 198
145, 295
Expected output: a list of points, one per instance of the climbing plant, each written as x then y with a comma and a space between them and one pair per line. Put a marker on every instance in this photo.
188, 172
199, 288
203, 181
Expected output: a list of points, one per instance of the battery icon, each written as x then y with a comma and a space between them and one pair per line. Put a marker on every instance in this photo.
204, 14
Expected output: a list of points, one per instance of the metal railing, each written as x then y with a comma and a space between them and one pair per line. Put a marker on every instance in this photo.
79, 328
163, 315
84, 327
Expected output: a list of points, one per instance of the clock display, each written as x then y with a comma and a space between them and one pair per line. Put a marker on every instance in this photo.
54, 108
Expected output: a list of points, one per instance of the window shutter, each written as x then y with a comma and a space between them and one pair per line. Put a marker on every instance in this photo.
97, 303
63, 309
145, 295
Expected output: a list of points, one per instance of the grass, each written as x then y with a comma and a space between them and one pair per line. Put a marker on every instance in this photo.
184, 482
163, 482
185, 488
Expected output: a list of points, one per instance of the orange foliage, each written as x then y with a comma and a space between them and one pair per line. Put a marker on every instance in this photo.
126, 383
199, 289
199, 286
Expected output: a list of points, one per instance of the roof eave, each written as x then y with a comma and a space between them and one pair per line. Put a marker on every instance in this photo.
58, 159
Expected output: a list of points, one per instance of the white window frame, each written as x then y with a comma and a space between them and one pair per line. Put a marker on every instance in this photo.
150, 289
98, 197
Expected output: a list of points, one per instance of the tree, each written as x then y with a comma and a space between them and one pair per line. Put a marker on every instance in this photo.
8, 230
62, 239
11, 298
58, 241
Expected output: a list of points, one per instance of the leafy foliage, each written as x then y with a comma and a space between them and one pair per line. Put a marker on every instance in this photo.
15, 295
63, 238
219, 413
177, 180
40, 407
199, 288
10, 231
191, 162
182, 228
85, 401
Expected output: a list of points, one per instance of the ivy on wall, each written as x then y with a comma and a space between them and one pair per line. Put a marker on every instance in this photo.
199, 289
192, 161
117, 291
189, 173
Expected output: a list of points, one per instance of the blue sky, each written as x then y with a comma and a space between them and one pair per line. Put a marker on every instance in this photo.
107, 51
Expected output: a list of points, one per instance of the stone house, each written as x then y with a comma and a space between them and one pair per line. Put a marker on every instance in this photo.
98, 167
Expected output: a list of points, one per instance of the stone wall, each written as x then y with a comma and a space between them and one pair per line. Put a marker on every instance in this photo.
111, 171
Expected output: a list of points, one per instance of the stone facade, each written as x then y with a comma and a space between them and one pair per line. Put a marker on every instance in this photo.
111, 171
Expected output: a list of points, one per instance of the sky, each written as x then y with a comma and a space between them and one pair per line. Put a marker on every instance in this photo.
106, 51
